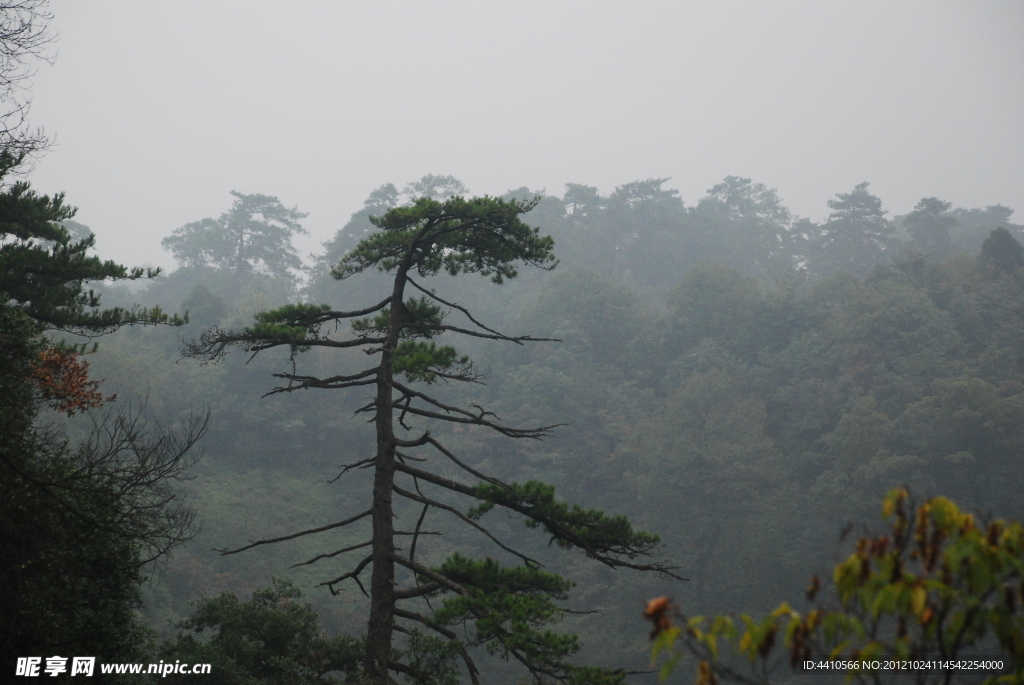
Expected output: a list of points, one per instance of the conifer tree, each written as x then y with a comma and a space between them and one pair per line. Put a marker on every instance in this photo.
253, 236
508, 606
81, 521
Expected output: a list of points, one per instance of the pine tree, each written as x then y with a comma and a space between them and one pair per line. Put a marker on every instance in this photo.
508, 606
253, 236
855, 237
79, 522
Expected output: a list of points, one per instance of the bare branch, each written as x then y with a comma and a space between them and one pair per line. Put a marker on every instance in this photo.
361, 464
410, 457
139, 466
333, 554
311, 531
409, 393
353, 574
519, 339
422, 440
433, 295
332, 383
534, 433
416, 535
313, 383
466, 467
417, 591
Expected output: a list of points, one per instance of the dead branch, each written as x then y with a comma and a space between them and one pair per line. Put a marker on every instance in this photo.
311, 531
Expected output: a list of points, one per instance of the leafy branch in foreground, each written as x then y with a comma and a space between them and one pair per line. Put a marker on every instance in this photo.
508, 607
937, 585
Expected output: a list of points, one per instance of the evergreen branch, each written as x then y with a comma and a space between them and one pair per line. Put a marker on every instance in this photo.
214, 343
532, 563
311, 531
336, 316
413, 616
429, 573
602, 539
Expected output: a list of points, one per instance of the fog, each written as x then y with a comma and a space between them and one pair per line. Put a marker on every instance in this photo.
789, 295
158, 110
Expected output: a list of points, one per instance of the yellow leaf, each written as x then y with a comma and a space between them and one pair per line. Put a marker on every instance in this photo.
918, 597
745, 642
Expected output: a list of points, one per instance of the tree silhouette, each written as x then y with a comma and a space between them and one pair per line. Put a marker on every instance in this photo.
253, 236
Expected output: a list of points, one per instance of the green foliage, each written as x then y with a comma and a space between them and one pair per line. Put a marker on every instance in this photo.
855, 236
929, 227
750, 225
420, 319
272, 638
508, 608
1002, 251
431, 660
746, 420
203, 307
593, 317
712, 302
292, 322
78, 521
423, 361
72, 575
591, 530
481, 235
253, 236
937, 584
43, 269
975, 225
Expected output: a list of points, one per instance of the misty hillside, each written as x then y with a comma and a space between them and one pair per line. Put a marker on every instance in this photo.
507, 344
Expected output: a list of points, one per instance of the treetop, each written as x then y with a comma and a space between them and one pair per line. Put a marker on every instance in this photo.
481, 235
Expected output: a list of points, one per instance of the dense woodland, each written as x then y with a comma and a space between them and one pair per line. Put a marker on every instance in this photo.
736, 380
685, 399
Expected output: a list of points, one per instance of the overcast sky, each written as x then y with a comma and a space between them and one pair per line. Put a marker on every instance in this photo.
160, 109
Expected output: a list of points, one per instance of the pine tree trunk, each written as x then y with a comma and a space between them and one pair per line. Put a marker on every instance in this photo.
382, 583
382, 586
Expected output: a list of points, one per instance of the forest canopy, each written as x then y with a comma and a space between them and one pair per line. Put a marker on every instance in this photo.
725, 381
